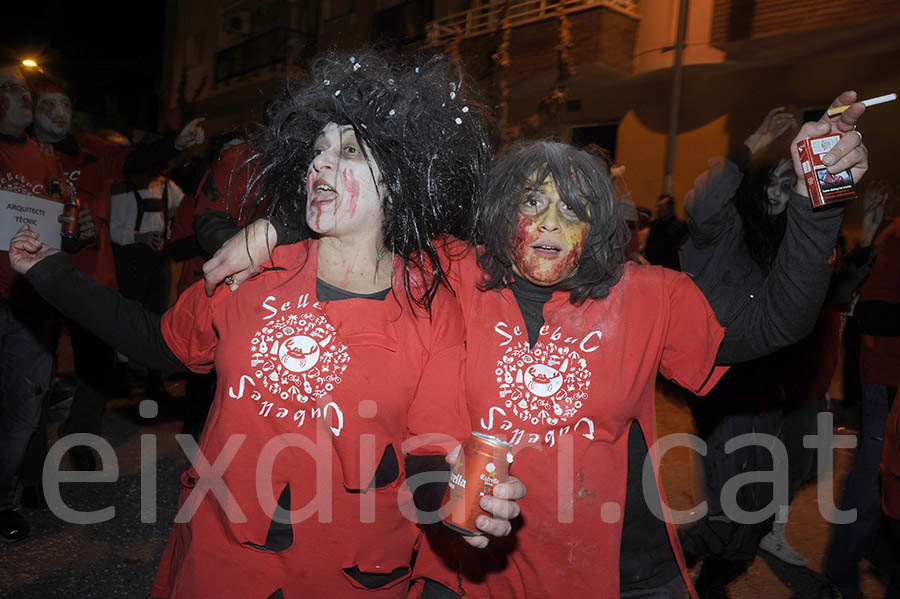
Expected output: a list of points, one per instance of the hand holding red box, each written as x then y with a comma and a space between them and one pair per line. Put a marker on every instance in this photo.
847, 153
823, 186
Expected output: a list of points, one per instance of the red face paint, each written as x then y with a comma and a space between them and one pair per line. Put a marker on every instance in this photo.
318, 217
339, 176
351, 190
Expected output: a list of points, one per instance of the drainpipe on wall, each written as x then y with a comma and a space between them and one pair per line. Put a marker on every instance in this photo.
675, 104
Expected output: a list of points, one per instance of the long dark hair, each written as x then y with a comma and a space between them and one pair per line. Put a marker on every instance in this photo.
763, 232
584, 185
425, 129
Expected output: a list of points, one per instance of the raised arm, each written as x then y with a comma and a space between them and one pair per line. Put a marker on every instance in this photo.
708, 203
785, 307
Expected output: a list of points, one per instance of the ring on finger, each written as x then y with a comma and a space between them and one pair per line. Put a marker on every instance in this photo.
858, 133
229, 280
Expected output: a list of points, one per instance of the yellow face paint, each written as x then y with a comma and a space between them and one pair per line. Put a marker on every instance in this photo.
550, 236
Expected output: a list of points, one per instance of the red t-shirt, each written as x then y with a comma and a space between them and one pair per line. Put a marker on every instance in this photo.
26, 167
222, 189
350, 377
225, 186
879, 356
566, 405
92, 169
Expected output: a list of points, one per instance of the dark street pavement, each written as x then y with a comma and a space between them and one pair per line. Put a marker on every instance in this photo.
118, 558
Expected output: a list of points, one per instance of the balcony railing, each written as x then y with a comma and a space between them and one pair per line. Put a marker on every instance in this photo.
487, 18
281, 45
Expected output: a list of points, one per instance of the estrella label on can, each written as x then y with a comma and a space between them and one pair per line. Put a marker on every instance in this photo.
483, 463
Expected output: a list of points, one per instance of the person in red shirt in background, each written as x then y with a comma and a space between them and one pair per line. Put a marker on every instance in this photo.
27, 167
223, 194
91, 164
875, 314
890, 489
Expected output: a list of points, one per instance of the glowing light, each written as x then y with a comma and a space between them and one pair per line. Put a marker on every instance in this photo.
29, 63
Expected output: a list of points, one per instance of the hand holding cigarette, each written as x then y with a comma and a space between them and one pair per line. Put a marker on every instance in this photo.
849, 153
870, 102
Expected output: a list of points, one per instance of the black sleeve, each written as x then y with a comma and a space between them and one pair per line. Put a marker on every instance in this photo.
147, 155
123, 324
435, 590
785, 307
183, 249
427, 497
285, 231
878, 318
72, 246
213, 229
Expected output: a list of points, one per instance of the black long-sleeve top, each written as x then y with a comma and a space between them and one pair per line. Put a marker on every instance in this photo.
761, 311
121, 323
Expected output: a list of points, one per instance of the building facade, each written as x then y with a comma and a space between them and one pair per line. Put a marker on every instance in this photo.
578, 70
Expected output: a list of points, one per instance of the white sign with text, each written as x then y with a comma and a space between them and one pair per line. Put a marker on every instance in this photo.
39, 214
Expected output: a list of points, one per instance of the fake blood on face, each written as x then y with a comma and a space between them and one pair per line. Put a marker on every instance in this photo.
351, 188
547, 258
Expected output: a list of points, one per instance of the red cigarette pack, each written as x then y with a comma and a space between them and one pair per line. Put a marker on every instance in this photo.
824, 187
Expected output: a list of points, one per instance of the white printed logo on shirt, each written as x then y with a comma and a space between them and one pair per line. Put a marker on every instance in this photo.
297, 358
544, 385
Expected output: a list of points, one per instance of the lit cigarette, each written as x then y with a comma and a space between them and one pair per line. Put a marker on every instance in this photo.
870, 102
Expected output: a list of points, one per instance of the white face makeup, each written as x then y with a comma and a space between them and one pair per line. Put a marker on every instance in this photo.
53, 116
342, 187
778, 189
15, 102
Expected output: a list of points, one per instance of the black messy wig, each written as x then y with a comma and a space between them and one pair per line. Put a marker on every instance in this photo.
763, 232
579, 177
425, 130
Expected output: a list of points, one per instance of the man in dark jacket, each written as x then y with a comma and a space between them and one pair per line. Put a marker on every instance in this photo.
666, 236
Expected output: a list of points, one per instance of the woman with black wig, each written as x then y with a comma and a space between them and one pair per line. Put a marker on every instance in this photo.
328, 360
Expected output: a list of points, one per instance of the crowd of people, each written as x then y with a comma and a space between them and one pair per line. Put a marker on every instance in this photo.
368, 279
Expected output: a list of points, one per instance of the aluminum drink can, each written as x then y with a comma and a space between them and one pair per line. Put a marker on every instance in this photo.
483, 462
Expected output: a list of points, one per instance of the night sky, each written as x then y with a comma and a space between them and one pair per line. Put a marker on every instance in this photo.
109, 52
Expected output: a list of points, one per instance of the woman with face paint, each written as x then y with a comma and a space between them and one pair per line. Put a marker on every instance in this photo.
564, 342
344, 346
